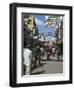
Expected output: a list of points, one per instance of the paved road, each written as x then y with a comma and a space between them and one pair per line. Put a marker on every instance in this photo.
50, 67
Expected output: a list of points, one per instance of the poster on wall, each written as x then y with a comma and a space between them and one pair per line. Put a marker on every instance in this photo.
40, 44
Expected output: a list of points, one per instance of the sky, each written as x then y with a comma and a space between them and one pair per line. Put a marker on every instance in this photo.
39, 20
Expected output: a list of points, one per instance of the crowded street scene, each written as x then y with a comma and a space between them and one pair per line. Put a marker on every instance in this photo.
42, 44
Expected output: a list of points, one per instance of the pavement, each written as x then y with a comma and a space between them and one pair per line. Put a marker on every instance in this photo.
48, 67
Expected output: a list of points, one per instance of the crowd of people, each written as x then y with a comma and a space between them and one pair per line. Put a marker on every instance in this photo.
34, 50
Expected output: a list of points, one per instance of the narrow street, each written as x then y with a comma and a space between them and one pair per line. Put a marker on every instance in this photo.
43, 44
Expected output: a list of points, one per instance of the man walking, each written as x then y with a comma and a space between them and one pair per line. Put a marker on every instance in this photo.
27, 54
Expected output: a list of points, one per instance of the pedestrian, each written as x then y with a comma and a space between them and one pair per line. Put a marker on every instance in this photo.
60, 50
49, 49
27, 54
53, 49
39, 53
